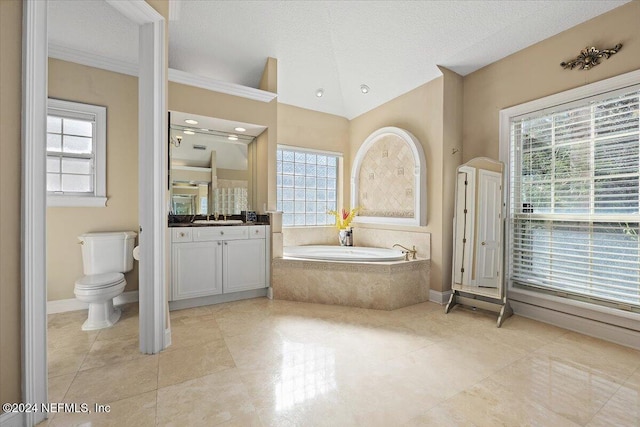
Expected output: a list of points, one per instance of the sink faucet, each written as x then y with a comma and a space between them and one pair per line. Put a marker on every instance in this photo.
407, 251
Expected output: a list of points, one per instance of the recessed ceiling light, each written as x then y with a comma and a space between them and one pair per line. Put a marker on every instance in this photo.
191, 121
204, 130
239, 129
319, 93
188, 132
364, 88
233, 137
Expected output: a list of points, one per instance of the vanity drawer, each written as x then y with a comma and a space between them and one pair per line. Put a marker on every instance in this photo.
257, 232
183, 234
204, 234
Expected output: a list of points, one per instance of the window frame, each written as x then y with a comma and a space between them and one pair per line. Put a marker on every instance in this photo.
78, 110
339, 159
529, 303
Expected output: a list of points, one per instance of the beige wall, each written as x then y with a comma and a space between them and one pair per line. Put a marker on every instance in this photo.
451, 159
190, 99
304, 128
269, 80
10, 110
419, 111
300, 127
119, 93
433, 113
535, 72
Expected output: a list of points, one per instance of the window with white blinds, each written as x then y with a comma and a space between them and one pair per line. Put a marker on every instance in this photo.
575, 199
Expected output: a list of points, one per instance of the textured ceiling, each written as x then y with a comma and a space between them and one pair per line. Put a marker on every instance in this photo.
392, 46
92, 26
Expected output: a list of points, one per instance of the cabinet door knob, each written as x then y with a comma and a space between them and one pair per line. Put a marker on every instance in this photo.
219, 243
483, 243
225, 243
182, 234
221, 233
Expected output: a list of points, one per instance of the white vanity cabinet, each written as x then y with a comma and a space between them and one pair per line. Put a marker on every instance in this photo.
244, 262
196, 269
209, 261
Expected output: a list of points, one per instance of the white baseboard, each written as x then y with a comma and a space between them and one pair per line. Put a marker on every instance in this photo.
439, 297
12, 419
64, 305
593, 328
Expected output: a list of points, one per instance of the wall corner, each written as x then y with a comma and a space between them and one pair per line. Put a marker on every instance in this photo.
269, 79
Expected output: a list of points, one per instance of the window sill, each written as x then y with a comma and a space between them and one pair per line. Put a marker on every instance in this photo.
581, 309
76, 201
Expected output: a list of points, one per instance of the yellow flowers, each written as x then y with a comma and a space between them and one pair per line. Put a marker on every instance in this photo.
344, 218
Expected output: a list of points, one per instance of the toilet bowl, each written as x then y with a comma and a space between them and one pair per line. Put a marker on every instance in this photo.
105, 257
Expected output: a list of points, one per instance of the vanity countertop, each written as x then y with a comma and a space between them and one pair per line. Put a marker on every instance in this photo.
188, 221
190, 224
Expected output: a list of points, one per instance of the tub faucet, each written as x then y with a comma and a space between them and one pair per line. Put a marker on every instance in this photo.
407, 251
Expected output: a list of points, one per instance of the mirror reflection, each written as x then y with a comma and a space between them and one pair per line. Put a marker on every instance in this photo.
212, 164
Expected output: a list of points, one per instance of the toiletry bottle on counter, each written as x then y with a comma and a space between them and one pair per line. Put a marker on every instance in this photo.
349, 239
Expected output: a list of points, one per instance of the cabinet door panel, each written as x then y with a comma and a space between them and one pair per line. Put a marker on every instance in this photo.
244, 265
197, 269
489, 205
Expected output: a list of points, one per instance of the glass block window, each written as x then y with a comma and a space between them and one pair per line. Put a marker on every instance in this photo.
76, 135
307, 186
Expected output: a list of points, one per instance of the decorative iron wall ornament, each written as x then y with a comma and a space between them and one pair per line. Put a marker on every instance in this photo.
590, 57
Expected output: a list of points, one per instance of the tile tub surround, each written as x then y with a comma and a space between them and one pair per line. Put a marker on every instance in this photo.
367, 235
303, 236
381, 236
376, 285
280, 363
387, 183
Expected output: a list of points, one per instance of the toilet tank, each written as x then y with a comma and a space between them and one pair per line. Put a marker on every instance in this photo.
107, 252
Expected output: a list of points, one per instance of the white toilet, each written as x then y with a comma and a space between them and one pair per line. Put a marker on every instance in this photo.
105, 256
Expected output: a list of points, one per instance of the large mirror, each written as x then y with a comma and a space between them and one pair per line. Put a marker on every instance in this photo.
212, 164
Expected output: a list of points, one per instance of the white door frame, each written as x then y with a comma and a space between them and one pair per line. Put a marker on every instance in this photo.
152, 186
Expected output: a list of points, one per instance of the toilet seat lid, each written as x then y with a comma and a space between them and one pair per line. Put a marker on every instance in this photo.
97, 281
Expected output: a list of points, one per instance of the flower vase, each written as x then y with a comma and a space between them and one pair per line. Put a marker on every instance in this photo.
342, 236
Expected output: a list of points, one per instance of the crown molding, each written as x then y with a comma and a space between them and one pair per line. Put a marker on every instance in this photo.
92, 60
118, 66
189, 79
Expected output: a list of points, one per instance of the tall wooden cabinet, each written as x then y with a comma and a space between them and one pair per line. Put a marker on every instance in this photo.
478, 246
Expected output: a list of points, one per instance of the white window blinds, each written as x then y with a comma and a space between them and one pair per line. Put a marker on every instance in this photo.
575, 199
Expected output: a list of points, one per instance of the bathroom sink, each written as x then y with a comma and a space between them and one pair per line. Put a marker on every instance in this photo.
218, 221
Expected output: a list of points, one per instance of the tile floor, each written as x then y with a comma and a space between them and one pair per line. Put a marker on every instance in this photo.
278, 363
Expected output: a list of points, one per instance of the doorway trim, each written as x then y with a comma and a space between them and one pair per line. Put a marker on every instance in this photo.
152, 184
